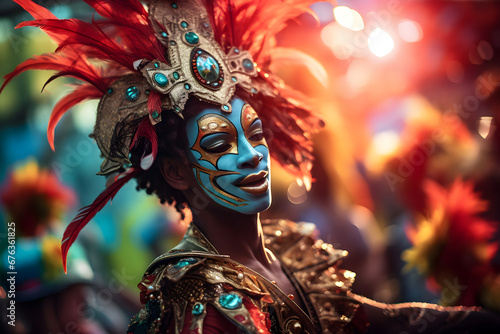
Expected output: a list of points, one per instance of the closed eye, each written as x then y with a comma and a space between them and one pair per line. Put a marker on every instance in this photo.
217, 142
254, 131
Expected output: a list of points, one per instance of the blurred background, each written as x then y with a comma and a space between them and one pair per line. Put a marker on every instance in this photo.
407, 168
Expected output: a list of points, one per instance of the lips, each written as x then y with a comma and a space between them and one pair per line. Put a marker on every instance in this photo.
254, 184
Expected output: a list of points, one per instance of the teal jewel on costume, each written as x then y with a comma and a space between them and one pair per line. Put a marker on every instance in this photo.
226, 108
174, 5
185, 262
154, 114
231, 301
207, 67
110, 91
198, 309
176, 75
191, 37
161, 79
187, 86
184, 24
132, 93
247, 64
164, 34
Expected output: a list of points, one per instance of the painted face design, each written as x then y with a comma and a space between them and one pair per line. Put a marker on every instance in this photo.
230, 157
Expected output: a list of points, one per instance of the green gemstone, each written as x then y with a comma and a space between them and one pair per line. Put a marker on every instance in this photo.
191, 37
110, 91
198, 309
230, 301
184, 24
174, 5
185, 262
176, 75
247, 64
207, 67
161, 79
157, 64
154, 114
132, 93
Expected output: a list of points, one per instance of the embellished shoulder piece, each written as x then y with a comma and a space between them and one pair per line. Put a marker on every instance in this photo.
313, 266
180, 286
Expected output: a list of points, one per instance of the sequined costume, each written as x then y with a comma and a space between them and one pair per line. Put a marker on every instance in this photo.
180, 288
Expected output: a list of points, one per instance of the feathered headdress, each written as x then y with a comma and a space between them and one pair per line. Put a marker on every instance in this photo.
140, 62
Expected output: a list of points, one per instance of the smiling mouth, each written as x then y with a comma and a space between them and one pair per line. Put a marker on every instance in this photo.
254, 184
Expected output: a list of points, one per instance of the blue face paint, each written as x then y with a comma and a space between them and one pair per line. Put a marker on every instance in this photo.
230, 157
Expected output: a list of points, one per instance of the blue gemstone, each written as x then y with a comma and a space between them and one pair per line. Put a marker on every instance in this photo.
157, 65
207, 67
191, 37
164, 34
231, 301
110, 91
198, 309
176, 75
248, 64
233, 78
184, 24
185, 262
132, 93
187, 86
154, 114
161, 79
225, 108
174, 5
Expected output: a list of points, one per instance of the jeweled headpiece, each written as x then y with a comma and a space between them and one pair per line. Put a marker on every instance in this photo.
140, 63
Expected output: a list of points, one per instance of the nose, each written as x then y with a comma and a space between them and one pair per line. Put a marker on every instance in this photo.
250, 158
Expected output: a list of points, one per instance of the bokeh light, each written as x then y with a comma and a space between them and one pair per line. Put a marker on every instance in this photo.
410, 31
380, 42
348, 18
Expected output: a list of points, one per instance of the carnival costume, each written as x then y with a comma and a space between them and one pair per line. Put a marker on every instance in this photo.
207, 50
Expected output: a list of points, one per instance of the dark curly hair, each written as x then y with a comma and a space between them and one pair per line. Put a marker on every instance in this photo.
172, 144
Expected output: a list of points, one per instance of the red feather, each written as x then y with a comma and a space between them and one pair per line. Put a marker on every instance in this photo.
87, 213
146, 130
81, 93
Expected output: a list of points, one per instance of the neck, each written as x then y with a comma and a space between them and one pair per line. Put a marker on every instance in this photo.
231, 233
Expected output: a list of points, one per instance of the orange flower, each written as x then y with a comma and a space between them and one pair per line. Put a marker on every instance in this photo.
453, 245
34, 198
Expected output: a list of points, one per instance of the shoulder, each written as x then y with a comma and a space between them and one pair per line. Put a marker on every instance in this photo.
199, 291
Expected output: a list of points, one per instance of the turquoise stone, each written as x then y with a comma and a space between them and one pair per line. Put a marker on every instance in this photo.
248, 64
176, 75
184, 24
161, 79
233, 78
132, 93
207, 67
198, 309
174, 5
110, 91
226, 108
231, 301
187, 86
191, 37
157, 65
185, 262
154, 114
164, 34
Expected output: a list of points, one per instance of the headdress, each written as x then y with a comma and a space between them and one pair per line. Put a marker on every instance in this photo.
140, 62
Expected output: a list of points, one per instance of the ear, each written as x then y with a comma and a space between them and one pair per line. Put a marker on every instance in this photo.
174, 172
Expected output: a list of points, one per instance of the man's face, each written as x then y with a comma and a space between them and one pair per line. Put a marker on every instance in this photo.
230, 158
